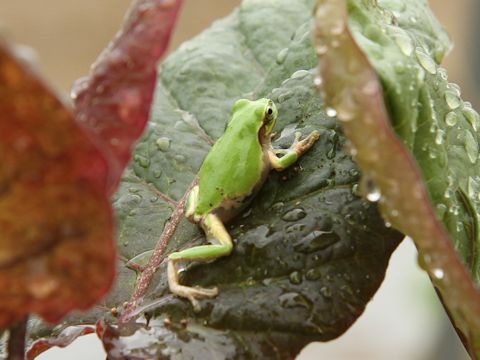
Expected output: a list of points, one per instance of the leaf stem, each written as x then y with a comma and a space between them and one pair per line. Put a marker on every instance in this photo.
156, 259
16, 340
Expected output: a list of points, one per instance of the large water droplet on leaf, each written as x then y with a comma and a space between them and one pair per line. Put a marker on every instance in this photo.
451, 118
294, 215
452, 99
403, 41
426, 61
163, 143
281, 56
472, 117
471, 147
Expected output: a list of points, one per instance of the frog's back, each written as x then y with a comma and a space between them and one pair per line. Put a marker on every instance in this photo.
234, 165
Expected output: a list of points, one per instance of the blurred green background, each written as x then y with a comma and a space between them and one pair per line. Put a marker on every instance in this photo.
405, 320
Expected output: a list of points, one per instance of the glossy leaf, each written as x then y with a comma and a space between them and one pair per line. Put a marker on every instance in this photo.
309, 254
414, 136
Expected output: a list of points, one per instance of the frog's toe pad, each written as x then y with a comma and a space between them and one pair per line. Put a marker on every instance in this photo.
197, 292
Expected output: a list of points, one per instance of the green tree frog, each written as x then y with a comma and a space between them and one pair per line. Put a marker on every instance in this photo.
230, 176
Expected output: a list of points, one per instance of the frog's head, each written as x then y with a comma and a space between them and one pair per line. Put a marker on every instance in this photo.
269, 119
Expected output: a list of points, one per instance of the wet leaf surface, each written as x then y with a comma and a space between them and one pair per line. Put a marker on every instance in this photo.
309, 253
404, 44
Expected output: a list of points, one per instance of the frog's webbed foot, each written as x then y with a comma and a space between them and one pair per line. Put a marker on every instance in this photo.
222, 246
191, 293
301, 146
290, 155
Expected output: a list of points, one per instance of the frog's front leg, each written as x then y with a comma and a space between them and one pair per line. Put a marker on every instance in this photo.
221, 246
290, 155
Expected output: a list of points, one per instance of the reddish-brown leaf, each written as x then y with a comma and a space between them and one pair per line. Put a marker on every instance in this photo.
113, 103
56, 248
65, 338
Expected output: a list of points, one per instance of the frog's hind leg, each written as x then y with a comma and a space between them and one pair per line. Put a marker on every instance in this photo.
221, 246
191, 204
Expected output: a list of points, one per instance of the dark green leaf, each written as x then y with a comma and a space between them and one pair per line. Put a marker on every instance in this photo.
309, 254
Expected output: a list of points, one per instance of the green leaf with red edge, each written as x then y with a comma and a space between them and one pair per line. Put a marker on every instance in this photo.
413, 135
56, 225
63, 339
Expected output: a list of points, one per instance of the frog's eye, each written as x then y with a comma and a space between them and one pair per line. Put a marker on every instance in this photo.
269, 111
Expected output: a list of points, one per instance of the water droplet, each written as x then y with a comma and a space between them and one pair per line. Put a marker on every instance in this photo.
441, 210
331, 153
455, 88
295, 228
403, 40
313, 274
443, 73
438, 273
471, 147
399, 67
337, 27
473, 189
374, 195
277, 206
356, 190
315, 241
439, 137
294, 215
420, 76
452, 99
295, 278
322, 49
291, 300
163, 143
472, 117
454, 209
142, 161
426, 61
448, 193
299, 74
331, 112
281, 56
326, 292
459, 226
180, 158
451, 118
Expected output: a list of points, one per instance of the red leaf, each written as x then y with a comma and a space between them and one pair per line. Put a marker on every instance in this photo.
65, 338
113, 103
56, 228
56, 248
